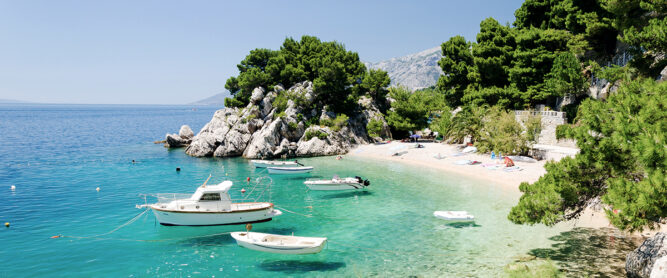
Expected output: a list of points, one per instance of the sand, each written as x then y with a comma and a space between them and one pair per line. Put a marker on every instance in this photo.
530, 172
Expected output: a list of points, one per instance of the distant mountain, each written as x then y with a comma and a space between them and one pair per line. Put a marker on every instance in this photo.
218, 99
8, 101
416, 71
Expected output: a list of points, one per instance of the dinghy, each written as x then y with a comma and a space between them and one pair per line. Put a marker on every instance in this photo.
337, 183
279, 244
209, 205
454, 216
270, 163
289, 170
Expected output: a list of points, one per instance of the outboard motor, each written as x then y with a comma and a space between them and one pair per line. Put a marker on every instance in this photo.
359, 180
367, 183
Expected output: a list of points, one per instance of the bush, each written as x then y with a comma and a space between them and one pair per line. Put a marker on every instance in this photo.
292, 126
374, 128
501, 132
233, 102
310, 134
442, 122
280, 102
336, 124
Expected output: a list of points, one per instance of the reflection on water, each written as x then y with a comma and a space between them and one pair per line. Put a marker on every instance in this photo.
585, 252
296, 266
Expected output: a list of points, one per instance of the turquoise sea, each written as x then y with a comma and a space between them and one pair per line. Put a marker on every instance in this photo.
57, 155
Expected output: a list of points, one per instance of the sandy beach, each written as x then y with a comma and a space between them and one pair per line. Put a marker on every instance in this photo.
530, 172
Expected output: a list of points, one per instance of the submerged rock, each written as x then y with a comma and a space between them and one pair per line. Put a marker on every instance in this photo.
650, 259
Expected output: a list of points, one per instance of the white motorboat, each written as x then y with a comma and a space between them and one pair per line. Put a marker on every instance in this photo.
337, 183
274, 163
454, 216
289, 170
279, 244
209, 205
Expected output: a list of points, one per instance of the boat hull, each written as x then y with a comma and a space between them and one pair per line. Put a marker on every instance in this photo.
272, 248
456, 217
334, 186
175, 218
266, 163
289, 171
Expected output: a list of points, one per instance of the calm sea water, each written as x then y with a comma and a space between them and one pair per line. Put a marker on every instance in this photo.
57, 155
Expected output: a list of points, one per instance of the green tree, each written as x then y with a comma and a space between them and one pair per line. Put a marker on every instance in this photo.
493, 53
375, 82
335, 72
622, 159
456, 64
565, 76
411, 111
467, 122
533, 60
587, 18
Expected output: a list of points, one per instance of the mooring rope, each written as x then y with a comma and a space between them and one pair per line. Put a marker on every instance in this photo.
135, 218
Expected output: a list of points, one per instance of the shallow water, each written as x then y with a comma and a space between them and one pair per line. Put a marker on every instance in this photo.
57, 155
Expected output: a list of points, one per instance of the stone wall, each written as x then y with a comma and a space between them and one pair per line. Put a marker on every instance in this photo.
550, 120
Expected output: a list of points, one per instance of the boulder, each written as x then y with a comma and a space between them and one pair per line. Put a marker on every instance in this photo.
257, 95
334, 143
264, 142
175, 141
185, 132
213, 133
663, 74
649, 259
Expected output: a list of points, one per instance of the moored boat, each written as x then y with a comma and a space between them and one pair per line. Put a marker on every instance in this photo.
289, 170
454, 216
279, 243
274, 163
337, 183
209, 205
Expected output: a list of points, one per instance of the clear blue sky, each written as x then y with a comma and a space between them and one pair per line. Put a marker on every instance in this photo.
175, 52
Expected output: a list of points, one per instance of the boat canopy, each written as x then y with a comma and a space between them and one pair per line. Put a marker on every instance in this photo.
212, 190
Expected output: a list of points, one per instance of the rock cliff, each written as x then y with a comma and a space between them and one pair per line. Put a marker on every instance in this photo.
261, 130
650, 259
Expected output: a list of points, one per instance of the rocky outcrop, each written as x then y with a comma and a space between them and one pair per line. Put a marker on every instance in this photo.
650, 259
260, 131
663, 75
182, 139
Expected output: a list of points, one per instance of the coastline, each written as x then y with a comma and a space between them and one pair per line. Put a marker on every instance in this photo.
531, 172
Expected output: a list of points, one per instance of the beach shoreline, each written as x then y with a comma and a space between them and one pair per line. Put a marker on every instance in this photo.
530, 172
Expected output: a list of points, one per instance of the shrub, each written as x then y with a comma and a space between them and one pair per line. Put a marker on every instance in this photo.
233, 102
500, 131
340, 122
315, 133
292, 126
374, 128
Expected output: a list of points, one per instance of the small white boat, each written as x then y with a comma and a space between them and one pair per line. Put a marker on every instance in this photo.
279, 243
454, 216
337, 183
274, 163
289, 170
209, 205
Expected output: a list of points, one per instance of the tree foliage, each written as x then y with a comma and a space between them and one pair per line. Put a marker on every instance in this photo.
335, 72
456, 64
501, 132
622, 159
411, 111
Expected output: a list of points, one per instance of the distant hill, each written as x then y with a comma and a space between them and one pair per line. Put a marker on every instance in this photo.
218, 99
416, 71
8, 101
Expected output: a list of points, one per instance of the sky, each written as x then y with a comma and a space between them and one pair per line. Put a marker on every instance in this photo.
177, 52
